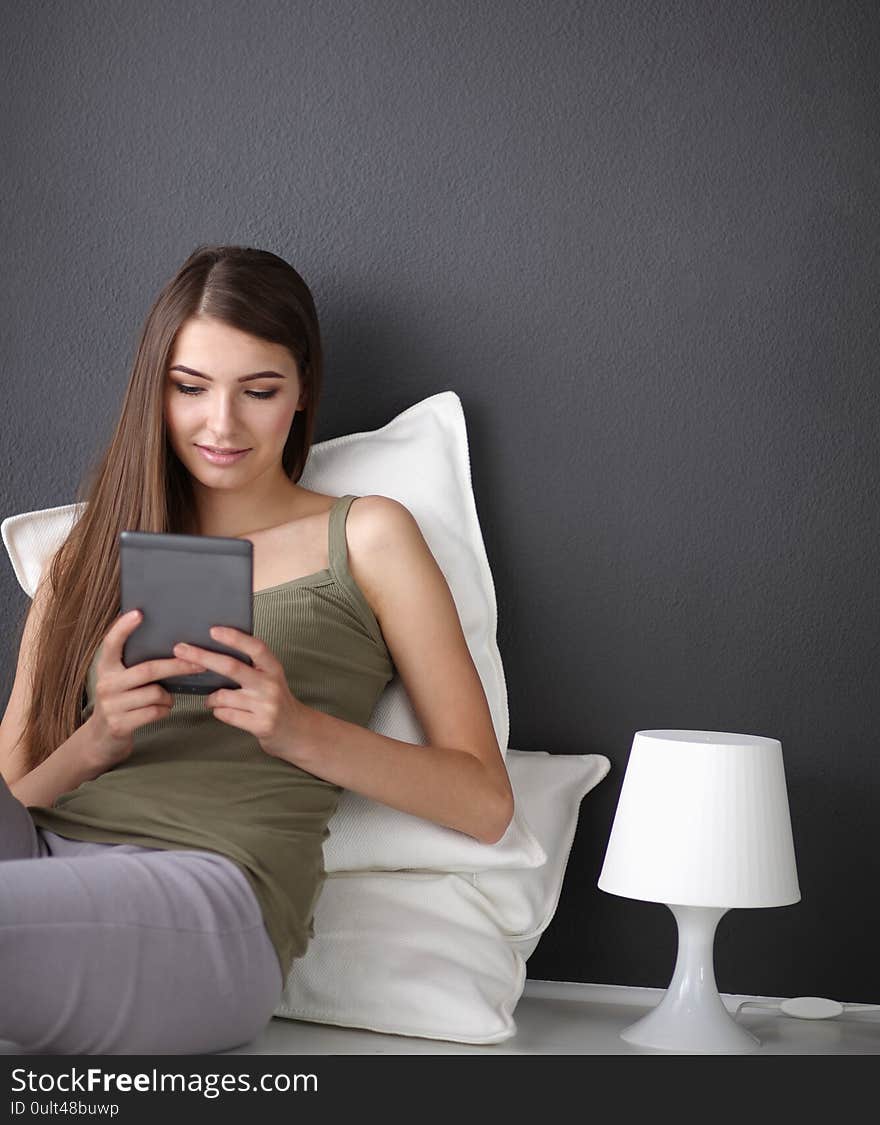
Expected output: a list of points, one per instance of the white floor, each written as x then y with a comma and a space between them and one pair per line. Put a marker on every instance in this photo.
561, 1018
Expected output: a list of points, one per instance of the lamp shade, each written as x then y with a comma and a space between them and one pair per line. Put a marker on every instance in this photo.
702, 820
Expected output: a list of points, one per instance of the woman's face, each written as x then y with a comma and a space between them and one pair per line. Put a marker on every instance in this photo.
213, 403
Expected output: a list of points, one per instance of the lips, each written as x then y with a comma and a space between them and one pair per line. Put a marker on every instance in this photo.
222, 458
214, 449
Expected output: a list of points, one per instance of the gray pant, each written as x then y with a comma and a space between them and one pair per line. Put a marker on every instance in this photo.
119, 949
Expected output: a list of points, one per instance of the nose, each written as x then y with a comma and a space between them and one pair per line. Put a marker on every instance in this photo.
221, 418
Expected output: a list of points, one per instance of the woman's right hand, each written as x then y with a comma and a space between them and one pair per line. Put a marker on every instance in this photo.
127, 698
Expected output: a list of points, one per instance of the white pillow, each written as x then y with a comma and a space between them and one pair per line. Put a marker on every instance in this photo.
442, 956
409, 953
549, 789
367, 836
421, 459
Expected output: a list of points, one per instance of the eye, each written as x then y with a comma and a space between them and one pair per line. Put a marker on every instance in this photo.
187, 390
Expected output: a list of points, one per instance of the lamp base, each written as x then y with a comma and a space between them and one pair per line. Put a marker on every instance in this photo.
691, 1017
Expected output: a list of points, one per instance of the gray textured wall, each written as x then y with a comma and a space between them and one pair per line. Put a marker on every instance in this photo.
641, 243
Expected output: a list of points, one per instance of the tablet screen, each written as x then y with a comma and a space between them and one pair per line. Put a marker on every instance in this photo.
184, 585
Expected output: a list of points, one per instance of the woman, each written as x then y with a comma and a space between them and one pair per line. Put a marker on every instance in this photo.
163, 854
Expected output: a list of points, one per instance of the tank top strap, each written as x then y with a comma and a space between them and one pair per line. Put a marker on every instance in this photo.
338, 546
339, 568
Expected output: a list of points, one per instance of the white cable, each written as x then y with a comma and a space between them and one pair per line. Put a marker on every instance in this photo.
809, 1007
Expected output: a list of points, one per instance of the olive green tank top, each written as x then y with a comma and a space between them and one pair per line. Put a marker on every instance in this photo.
195, 782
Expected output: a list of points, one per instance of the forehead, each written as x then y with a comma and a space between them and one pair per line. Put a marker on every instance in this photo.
223, 351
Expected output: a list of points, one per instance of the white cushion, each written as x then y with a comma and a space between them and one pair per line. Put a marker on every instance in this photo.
442, 956
366, 836
409, 953
549, 788
421, 459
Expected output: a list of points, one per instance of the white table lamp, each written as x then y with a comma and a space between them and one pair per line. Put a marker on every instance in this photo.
703, 826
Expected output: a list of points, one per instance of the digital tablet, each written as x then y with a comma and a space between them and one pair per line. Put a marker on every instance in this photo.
183, 585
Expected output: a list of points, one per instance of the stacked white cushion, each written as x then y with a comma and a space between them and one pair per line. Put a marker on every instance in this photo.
419, 929
549, 789
442, 956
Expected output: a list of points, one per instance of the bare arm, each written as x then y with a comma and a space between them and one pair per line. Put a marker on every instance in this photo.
70, 765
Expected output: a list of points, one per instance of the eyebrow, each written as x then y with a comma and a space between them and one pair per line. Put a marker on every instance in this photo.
243, 379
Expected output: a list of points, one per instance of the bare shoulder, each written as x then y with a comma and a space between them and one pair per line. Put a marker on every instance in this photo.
373, 519
382, 535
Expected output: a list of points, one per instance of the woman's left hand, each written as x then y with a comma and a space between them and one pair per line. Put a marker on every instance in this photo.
263, 705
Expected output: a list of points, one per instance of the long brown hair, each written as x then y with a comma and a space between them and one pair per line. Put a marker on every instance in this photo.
139, 483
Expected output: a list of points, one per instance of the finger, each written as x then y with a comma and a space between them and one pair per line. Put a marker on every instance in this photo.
234, 717
219, 662
238, 699
149, 714
148, 671
145, 697
250, 645
120, 630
